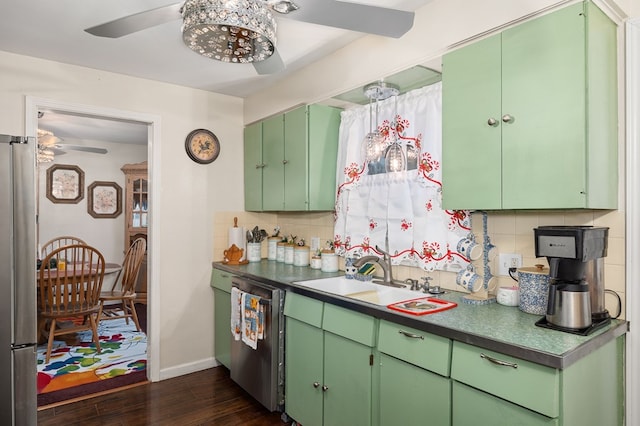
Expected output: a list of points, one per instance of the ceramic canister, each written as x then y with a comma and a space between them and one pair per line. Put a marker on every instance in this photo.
272, 247
508, 296
288, 254
534, 289
301, 256
280, 251
329, 261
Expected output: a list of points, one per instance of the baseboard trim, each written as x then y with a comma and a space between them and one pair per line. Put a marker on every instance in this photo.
192, 367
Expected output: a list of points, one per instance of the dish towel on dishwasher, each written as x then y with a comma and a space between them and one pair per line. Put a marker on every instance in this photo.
236, 304
252, 318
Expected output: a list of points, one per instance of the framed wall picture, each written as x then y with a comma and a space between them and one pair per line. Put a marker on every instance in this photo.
104, 200
65, 184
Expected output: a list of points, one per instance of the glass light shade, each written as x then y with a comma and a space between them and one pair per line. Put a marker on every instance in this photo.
238, 31
44, 155
46, 139
373, 146
412, 157
395, 160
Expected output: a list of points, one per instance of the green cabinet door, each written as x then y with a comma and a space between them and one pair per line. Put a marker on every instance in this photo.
347, 378
471, 135
324, 125
253, 167
544, 90
221, 283
273, 157
410, 395
296, 160
304, 372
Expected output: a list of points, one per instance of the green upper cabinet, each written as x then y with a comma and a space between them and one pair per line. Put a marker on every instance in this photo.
253, 167
297, 163
530, 116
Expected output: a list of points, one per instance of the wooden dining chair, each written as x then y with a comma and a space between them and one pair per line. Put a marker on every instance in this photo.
72, 294
119, 302
57, 242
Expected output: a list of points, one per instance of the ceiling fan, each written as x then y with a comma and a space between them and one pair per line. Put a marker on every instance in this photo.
243, 31
49, 146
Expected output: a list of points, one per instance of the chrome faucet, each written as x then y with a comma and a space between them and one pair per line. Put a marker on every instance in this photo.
385, 264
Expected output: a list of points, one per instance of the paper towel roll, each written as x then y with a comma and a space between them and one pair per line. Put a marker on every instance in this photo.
237, 237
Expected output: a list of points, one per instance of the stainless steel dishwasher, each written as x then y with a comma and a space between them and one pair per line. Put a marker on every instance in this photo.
260, 371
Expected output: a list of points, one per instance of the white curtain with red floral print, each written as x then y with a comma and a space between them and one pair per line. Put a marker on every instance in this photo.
400, 212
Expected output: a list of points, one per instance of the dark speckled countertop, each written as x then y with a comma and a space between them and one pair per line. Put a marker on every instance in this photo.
494, 327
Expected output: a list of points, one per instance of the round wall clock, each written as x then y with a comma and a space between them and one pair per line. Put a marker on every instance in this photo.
202, 146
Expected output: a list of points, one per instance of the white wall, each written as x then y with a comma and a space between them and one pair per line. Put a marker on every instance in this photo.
105, 234
188, 193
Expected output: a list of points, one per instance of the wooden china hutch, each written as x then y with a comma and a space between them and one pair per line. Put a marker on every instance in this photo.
137, 216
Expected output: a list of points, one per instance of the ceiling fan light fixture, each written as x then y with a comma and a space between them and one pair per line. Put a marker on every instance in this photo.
283, 6
46, 141
44, 155
237, 31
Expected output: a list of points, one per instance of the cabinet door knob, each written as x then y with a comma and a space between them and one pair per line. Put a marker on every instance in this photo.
498, 361
507, 118
260, 166
325, 388
285, 161
492, 122
316, 384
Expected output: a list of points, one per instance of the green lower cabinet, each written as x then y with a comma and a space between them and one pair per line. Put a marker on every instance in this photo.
418, 378
222, 329
221, 283
410, 395
472, 407
328, 377
491, 388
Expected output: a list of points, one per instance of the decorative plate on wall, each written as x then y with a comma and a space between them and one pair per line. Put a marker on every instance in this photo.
65, 184
104, 200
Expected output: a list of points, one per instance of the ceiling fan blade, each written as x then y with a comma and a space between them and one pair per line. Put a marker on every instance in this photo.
352, 16
271, 65
82, 148
137, 22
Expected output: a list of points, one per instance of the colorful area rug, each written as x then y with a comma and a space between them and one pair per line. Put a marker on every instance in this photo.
76, 363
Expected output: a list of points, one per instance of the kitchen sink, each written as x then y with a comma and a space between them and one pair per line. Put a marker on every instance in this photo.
365, 291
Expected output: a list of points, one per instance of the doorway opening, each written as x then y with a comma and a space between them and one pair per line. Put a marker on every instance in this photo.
130, 139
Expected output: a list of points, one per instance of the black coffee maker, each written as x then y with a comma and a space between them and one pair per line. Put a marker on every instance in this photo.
573, 253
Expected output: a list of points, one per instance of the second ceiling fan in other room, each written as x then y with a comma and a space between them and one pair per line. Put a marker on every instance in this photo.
50, 145
244, 31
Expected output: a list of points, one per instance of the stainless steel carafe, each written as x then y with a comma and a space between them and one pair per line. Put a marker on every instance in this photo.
569, 305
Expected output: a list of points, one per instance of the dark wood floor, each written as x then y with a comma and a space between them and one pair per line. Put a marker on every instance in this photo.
207, 397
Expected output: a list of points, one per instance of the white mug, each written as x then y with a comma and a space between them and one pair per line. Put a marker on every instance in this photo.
469, 280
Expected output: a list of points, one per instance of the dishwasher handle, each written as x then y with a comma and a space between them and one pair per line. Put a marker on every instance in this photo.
263, 300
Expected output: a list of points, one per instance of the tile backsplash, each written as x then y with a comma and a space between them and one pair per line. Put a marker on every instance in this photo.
509, 231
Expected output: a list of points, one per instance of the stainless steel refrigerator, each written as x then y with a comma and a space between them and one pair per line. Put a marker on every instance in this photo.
18, 249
